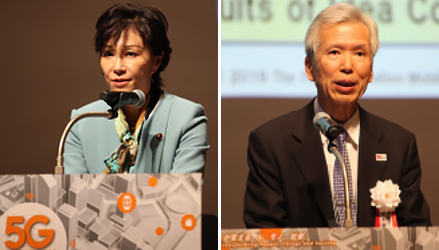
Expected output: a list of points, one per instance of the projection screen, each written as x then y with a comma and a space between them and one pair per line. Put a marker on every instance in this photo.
262, 50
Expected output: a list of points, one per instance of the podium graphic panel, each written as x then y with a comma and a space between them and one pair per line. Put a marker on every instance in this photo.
402, 238
99, 211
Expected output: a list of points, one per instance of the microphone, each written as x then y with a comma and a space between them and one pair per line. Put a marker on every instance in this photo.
323, 122
136, 98
326, 125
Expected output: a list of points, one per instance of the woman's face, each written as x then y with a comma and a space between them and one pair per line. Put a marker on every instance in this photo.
127, 64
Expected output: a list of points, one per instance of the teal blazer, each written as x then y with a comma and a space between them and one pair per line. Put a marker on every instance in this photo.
181, 148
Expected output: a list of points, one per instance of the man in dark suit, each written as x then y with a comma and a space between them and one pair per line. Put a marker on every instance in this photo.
291, 172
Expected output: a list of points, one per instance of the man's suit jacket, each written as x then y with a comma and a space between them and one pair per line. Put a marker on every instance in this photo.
288, 183
181, 148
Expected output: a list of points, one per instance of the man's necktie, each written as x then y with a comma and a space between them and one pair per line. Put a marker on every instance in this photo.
338, 184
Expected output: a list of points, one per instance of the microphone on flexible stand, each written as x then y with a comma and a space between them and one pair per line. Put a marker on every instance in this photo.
326, 125
115, 100
323, 122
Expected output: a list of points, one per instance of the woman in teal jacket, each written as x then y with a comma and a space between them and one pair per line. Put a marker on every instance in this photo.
166, 135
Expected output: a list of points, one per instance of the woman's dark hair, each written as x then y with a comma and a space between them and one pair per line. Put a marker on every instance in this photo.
148, 21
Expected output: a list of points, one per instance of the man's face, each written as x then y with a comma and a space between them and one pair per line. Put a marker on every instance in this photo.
342, 67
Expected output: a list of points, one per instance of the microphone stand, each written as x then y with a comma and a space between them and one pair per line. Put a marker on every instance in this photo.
115, 100
110, 114
348, 220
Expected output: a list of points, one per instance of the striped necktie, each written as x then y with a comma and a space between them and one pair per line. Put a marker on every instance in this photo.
339, 192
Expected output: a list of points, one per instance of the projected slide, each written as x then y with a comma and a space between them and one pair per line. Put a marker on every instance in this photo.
262, 50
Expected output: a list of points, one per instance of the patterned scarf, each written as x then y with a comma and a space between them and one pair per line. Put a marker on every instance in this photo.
123, 158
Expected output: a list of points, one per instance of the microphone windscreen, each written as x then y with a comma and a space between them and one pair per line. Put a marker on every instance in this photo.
142, 98
318, 116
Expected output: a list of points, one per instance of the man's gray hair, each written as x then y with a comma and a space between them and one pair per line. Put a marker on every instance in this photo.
339, 13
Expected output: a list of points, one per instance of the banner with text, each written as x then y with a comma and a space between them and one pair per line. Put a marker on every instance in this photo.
262, 50
330, 238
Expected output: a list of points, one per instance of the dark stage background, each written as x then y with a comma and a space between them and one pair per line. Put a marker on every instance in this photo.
240, 116
48, 67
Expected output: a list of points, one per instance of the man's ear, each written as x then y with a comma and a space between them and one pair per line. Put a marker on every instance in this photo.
370, 77
309, 68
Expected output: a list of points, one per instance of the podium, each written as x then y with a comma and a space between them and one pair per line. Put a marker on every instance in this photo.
402, 238
99, 211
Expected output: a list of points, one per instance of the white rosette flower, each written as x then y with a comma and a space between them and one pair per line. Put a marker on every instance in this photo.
385, 196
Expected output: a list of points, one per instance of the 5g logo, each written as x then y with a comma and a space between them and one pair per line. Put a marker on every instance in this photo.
24, 234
